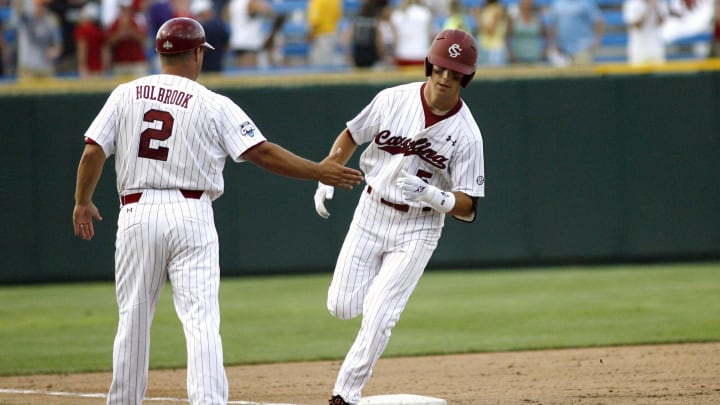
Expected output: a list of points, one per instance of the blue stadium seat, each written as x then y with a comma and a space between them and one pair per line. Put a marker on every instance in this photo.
8, 34
351, 7
614, 39
609, 3
473, 3
296, 49
292, 28
287, 7
614, 18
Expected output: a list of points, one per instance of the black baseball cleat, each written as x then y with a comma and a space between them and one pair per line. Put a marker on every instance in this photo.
337, 400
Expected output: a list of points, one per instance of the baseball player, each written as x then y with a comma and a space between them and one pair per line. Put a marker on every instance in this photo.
424, 160
171, 137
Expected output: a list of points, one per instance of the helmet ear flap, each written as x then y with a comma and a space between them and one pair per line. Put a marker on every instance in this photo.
428, 67
466, 79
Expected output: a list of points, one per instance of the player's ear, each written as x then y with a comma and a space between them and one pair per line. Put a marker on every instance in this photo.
195, 54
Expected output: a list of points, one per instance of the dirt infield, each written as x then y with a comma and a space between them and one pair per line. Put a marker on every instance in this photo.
662, 374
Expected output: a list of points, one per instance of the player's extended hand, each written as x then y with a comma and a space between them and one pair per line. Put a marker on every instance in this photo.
336, 174
83, 216
322, 193
413, 188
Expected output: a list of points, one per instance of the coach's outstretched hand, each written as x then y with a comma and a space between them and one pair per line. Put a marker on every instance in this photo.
336, 174
276, 159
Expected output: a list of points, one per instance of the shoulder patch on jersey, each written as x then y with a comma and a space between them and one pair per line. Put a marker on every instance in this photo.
480, 180
247, 128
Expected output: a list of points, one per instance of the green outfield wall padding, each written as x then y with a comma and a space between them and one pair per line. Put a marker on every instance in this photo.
584, 169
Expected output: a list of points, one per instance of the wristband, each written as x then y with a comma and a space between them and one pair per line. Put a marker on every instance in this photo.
442, 201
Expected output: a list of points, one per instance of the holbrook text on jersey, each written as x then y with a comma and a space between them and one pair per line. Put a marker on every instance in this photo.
163, 95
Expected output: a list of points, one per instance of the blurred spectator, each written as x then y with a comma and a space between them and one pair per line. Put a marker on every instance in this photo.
92, 53
109, 11
576, 28
715, 45
220, 7
323, 18
440, 9
39, 39
247, 37
527, 35
492, 26
459, 18
127, 41
6, 47
413, 23
157, 13
181, 8
688, 18
275, 41
644, 19
216, 33
363, 38
3, 50
68, 14
387, 32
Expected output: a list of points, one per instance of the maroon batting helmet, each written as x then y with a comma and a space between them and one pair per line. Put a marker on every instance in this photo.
455, 50
180, 35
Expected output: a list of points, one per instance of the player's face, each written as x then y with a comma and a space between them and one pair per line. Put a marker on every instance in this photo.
445, 81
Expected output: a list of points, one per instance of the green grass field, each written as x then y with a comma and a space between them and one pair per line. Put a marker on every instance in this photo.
70, 327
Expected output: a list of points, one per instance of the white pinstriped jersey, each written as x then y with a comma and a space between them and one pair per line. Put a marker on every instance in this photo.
176, 134
447, 154
387, 248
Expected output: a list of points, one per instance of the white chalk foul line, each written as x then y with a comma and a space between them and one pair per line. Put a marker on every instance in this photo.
96, 395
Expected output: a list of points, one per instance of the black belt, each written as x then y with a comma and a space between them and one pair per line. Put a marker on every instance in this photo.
135, 197
399, 207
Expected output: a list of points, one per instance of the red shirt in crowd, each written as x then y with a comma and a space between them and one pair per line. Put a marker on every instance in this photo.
130, 46
93, 36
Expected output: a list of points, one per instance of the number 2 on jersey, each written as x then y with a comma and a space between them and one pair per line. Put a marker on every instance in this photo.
164, 132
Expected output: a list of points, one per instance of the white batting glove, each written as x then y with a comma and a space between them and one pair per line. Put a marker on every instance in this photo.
323, 192
415, 189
